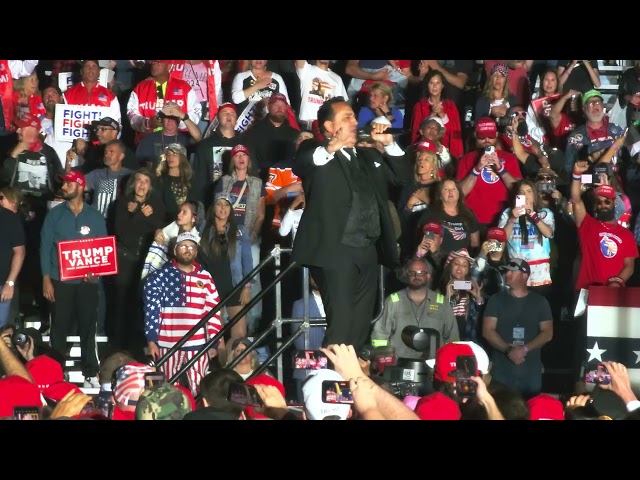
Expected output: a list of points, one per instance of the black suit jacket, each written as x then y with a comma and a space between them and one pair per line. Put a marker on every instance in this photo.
327, 191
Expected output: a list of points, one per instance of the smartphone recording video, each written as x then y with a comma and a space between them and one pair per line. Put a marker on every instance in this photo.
600, 376
520, 201
334, 391
309, 360
466, 367
586, 179
243, 394
462, 284
26, 413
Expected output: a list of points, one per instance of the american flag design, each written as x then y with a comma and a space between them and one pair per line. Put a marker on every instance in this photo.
456, 234
106, 192
129, 382
175, 301
613, 328
102, 97
177, 91
195, 374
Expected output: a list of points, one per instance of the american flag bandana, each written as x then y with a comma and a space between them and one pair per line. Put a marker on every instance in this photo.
129, 382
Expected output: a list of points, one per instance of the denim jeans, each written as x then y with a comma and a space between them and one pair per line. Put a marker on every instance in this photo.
246, 259
4, 313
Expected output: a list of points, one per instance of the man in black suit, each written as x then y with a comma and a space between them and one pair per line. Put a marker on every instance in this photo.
346, 228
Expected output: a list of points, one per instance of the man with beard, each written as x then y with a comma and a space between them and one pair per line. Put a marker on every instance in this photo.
597, 128
52, 96
531, 154
414, 306
75, 300
177, 297
608, 249
493, 254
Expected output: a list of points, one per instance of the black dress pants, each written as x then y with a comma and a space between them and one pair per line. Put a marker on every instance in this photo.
349, 290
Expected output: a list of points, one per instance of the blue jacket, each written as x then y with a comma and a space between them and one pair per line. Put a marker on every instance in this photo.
60, 223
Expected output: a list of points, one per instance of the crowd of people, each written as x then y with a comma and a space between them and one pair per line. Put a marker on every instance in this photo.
489, 204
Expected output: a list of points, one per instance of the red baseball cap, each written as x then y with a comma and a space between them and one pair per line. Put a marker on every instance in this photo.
277, 97
486, 127
45, 371
437, 406
16, 391
74, 176
58, 390
426, 145
228, 105
545, 407
28, 120
606, 191
445, 361
238, 149
497, 233
433, 227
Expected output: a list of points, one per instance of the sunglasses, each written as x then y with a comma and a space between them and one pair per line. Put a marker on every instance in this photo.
521, 114
513, 265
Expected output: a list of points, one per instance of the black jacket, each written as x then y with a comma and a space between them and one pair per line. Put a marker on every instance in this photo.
328, 197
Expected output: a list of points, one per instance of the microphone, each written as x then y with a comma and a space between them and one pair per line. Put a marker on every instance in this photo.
366, 130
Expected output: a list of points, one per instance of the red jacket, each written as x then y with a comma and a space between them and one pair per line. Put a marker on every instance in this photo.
452, 138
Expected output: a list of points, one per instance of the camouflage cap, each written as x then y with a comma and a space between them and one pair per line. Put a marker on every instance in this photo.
162, 402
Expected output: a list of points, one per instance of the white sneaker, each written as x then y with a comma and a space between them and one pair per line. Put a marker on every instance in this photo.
91, 382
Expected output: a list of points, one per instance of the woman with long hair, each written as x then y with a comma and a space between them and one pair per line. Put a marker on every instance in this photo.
27, 97
435, 102
247, 193
416, 197
173, 178
160, 249
219, 246
460, 228
495, 98
529, 227
463, 293
139, 213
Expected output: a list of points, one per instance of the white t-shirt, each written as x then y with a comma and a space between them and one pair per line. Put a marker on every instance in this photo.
316, 87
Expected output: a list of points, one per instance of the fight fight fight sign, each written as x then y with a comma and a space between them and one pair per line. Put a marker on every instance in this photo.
97, 255
71, 121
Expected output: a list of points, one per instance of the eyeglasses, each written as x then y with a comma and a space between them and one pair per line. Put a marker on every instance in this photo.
416, 273
187, 247
521, 114
593, 103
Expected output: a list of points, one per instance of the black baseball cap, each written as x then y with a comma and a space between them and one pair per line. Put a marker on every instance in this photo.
108, 122
517, 264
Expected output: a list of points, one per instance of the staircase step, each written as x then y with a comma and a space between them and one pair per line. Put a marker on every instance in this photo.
76, 339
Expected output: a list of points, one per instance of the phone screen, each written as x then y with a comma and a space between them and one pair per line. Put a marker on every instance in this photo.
26, 413
152, 379
599, 376
462, 285
243, 394
587, 178
334, 391
309, 360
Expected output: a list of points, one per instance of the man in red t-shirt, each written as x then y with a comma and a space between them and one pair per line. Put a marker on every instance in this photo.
608, 249
486, 175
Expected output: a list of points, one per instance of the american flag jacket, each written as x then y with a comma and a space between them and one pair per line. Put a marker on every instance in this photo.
174, 301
